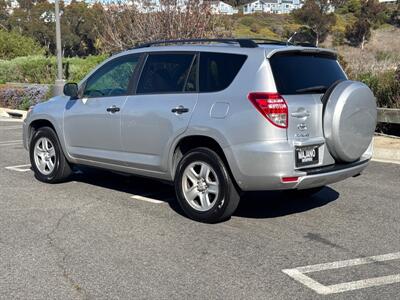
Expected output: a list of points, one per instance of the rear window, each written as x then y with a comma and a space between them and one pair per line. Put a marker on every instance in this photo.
218, 70
300, 73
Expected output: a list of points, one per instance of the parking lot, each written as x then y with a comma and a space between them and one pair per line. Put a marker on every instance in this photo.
108, 236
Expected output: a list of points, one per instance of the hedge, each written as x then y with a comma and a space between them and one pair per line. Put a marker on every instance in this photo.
385, 85
42, 70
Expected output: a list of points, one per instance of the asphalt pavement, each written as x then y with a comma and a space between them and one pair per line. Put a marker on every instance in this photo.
108, 236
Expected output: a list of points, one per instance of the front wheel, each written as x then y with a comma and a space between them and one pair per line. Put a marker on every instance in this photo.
204, 188
47, 158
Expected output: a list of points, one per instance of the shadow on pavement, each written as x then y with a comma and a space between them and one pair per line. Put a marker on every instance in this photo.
252, 205
278, 204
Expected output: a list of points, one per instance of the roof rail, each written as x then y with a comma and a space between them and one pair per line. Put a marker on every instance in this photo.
271, 41
244, 43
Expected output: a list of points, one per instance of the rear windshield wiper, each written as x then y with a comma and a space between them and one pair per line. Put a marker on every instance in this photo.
317, 88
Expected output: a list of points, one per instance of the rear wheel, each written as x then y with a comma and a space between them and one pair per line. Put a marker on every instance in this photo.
47, 158
204, 188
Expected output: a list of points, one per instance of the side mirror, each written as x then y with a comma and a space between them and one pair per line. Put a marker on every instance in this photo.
71, 90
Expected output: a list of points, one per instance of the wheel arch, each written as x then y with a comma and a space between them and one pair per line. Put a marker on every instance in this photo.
41, 122
187, 143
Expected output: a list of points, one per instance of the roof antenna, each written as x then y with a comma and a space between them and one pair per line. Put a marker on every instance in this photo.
289, 41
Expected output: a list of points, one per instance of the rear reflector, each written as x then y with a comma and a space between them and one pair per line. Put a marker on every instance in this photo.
272, 106
290, 179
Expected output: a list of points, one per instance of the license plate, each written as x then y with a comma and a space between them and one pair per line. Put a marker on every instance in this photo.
307, 156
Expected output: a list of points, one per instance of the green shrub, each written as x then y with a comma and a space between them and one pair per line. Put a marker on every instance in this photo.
13, 44
80, 67
40, 69
386, 87
28, 69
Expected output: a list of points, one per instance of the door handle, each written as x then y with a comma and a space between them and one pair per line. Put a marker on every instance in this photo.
113, 109
180, 110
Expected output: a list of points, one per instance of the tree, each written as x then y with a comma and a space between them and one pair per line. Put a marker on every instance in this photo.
394, 18
371, 13
317, 16
79, 33
127, 25
4, 14
13, 44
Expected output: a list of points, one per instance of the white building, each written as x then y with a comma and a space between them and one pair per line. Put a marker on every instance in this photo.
222, 8
272, 6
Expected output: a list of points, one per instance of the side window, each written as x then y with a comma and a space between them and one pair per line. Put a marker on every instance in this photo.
218, 70
165, 73
113, 78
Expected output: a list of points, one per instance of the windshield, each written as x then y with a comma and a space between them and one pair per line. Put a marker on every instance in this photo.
305, 73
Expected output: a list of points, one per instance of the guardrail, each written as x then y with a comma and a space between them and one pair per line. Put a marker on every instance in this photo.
389, 115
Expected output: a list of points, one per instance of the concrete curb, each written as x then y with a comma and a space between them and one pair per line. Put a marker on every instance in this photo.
386, 149
8, 113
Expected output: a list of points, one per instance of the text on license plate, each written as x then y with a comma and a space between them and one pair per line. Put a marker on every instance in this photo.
306, 155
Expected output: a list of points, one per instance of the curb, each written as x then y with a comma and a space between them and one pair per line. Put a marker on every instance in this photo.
13, 114
386, 149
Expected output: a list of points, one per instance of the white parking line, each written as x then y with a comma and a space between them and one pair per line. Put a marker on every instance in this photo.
298, 274
141, 198
10, 127
20, 168
11, 144
7, 142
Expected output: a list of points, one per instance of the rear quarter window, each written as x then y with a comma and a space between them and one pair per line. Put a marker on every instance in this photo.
218, 70
294, 72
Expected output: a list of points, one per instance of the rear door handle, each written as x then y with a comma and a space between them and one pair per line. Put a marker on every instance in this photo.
113, 109
180, 110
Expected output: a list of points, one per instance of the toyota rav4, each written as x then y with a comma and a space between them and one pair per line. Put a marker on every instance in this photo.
214, 117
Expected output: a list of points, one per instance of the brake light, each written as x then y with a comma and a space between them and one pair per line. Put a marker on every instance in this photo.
272, 106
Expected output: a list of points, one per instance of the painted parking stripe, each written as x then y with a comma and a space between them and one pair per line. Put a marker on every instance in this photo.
7, 142
11, 144
20, 168
10, 127
146, 199
298, 274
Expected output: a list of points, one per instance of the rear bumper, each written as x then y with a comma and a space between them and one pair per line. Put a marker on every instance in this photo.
328, 175
261, 166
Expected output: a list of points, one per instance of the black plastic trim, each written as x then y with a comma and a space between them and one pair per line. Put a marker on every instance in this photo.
334, 168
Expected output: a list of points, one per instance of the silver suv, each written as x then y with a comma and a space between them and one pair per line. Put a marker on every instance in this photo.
215, 117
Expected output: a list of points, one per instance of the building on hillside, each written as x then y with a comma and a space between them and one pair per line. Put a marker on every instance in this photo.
272, 6
222, 8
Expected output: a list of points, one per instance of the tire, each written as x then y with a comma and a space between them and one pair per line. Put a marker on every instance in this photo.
205, 196
349, 120
48, 161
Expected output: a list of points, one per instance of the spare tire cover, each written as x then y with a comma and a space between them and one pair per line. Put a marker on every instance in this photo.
350, 117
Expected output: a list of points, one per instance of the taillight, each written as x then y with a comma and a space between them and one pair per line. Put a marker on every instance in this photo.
272, 106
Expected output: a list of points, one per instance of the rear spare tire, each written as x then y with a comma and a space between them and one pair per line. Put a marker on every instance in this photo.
350, 117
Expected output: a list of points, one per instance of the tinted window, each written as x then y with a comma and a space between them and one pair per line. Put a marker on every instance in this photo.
217, 70
165, 73
295, 72
113, 78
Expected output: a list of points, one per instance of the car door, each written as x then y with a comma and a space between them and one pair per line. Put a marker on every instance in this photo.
160, 111
92, 123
